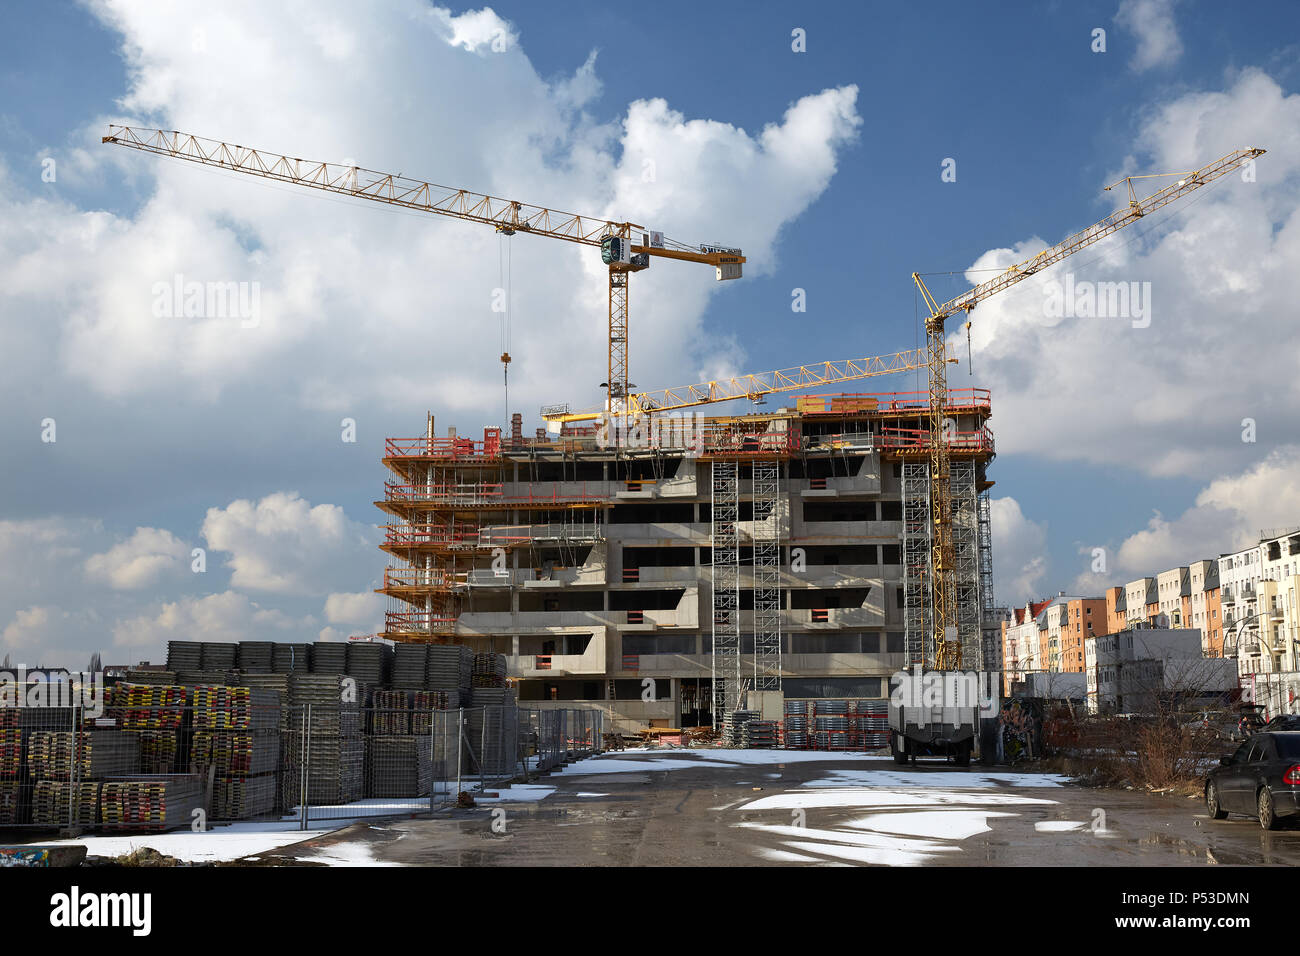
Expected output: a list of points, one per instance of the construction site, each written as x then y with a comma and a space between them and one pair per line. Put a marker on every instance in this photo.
675, 576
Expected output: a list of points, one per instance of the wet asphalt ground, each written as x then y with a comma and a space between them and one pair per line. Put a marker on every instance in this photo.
766, 808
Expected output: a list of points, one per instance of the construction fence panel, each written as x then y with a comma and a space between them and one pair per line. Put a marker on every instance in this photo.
161, 757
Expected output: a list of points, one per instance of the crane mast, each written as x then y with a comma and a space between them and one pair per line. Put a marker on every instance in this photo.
945, 637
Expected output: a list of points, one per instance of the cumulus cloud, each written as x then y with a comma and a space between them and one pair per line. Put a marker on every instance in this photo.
228, 616
139, 561
286, 545
1152, 23
1170, 398
1229, 513
362, 611
1019, 552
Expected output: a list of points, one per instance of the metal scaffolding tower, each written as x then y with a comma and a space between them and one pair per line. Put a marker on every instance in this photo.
969, 547
991, 658
767, 575
966, 569
918, 639
725, 579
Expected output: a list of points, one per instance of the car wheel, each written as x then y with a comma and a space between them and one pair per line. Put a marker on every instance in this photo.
1267, 818
1212, 807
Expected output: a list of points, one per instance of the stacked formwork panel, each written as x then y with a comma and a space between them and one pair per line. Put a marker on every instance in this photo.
767, 576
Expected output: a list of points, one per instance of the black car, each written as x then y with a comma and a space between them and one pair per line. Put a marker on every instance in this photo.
1284, 722
1262, 779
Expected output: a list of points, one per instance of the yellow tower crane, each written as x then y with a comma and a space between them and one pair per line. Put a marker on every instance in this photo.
947, 646
625, 247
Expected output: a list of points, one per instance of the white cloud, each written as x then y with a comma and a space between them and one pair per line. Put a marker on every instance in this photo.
1152, 23
1168, 399
1019, 552
140, 560
364, 608
286, 545
228, 616
351, 291
1229, 513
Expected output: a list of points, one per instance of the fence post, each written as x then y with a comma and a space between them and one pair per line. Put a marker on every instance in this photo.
482, 752
460, 748
306, 769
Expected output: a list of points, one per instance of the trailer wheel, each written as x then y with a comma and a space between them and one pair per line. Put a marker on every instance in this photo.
962, 757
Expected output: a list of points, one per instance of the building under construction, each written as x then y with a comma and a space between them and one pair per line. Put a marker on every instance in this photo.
785, 551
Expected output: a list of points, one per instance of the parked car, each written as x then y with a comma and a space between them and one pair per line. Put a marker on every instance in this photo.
1222, 724
1260, 779
1284, 722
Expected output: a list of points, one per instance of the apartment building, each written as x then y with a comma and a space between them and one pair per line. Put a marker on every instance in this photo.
660, 572
1173, 596
1116, 609
1085, 618
1141, 601
1136, 670
1278, 624
1239, 576
1205, 611
1024, 646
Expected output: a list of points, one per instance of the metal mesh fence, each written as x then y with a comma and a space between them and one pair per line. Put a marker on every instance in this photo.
162, 756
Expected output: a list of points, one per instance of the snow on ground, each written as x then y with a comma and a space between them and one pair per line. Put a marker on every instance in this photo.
219, 844
973, 779
519, 793
346, 854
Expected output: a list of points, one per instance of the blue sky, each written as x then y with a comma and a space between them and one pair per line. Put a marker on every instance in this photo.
1099, 431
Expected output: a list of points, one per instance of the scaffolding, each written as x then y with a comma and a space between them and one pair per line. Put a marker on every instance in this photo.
966, 570
767, 576
991, 656
918, 638
725, 581
972, 587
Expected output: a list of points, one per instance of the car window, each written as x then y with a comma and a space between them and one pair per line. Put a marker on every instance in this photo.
1256, 751
1240, 755
1288, 746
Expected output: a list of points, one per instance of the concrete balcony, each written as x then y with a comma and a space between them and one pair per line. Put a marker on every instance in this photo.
589, 662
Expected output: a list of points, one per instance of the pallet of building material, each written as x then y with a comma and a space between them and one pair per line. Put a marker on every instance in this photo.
236, 708
330, 713
488, 670
244, 796
52, 754
202, 678
425, 702
160, 750
219, 656
291, 657
236, 753
390, 713
329, 657
184, 656
11, 753
8, 718
150, 677
370, 662
335, 768
398, 766
160, 802
254, 657
733, 725
410, 662
13, 802
449, 667
150, 706
762, 735
277, 684
57, 803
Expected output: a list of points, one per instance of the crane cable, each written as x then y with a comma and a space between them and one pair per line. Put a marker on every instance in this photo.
505, 270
